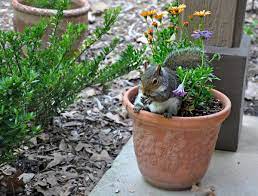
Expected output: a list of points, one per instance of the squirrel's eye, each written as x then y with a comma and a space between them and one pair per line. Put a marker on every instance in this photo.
154, 81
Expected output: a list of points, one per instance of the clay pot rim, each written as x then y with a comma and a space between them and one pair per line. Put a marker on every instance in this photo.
148, 117
18, 5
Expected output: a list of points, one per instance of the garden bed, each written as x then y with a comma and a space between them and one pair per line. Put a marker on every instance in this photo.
73, 154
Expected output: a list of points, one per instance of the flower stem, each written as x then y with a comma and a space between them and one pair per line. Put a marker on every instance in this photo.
203, 44
203, 52
184, 78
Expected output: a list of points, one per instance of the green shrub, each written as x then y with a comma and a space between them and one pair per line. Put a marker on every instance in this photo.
250, 29
37, 82
49, 4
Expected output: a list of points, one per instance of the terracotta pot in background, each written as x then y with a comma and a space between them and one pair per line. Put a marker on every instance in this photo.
26, 16
174, 153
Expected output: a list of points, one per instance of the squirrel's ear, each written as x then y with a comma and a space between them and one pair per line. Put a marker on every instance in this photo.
158, 70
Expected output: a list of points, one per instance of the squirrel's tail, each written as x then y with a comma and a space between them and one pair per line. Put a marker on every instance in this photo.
185, 57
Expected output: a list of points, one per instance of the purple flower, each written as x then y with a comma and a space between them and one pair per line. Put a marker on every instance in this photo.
202, 34
180, 91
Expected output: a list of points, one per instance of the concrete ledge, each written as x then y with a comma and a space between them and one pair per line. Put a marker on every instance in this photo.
232, 174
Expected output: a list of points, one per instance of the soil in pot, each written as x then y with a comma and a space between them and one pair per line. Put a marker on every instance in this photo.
212, 107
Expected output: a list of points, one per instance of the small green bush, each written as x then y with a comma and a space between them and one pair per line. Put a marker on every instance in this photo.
37, 82
49, 4
250, 29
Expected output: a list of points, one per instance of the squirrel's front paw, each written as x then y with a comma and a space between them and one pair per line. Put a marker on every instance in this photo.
145, 100
167, 115
137, 109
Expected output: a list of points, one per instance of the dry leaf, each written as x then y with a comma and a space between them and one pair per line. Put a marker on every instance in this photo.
53, 191
8, 170
88, 92
106, 131
52, 181
34, 141
44, 137
195, 188
203, 191
103, 156
26, 177
72, 124
251, 90
41, 183
100, 106
115, 118
98, 8
58, 158
81, 145
131, 189
133, 75
75, 136
62, 145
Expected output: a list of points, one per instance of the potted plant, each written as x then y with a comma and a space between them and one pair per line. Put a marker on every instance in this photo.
30, 12
174, 152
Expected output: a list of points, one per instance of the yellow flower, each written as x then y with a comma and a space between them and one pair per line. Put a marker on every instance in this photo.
144, 13
176, 10
155, 24
191, 17
150, 13
150, 39
186, 23
202, 13
182, 6
150, 31
177, 28
159, 16
171, 26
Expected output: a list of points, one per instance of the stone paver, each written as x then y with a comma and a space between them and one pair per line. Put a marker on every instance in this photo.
232, 174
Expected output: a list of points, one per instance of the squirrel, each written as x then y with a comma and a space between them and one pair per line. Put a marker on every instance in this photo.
158, 82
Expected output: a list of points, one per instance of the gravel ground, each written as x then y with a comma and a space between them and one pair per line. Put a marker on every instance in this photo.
72, 155
6, 15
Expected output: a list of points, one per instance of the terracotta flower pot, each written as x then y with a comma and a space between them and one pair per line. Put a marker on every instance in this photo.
26, 16
174, 153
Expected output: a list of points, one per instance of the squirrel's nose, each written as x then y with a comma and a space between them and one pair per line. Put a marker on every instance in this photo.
143, 91
146, 95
